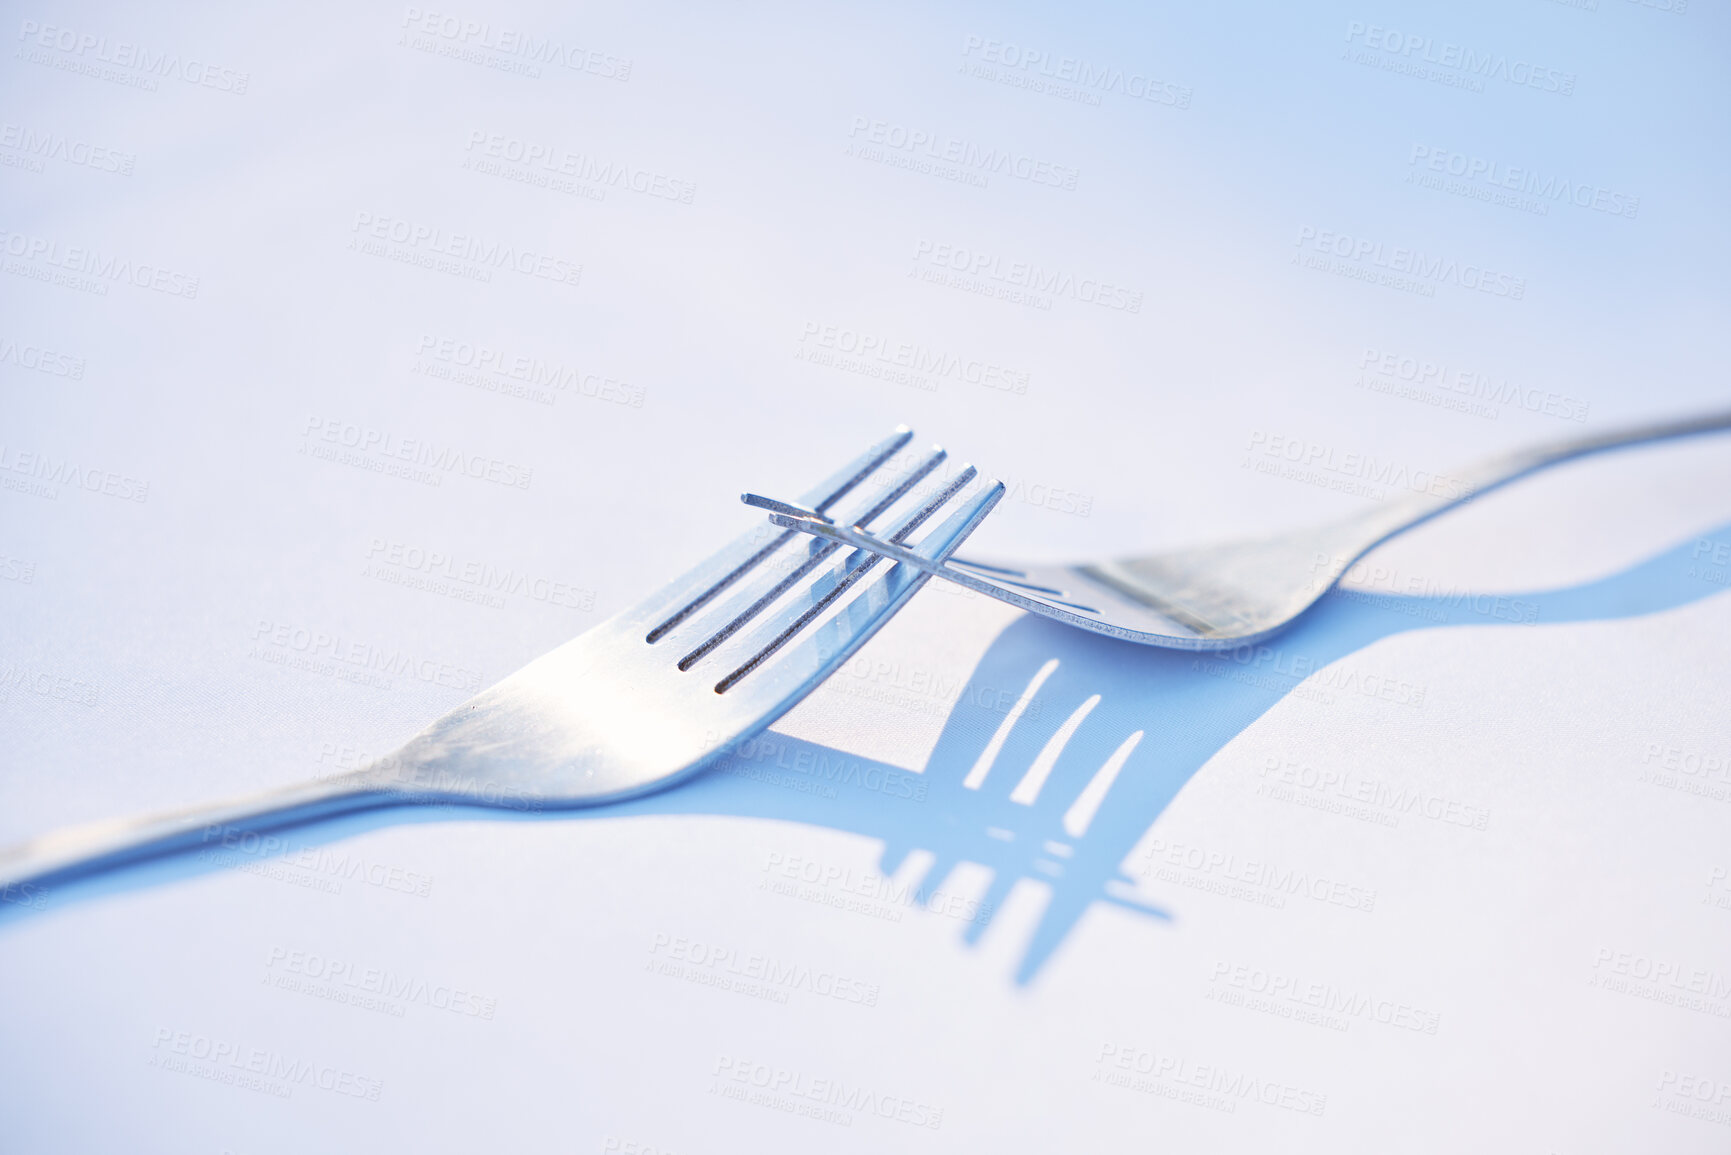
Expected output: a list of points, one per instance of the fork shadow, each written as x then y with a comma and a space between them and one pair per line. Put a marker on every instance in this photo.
1113, 731
1057, 782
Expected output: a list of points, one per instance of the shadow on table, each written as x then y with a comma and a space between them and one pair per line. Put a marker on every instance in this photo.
1061, 750
1112, 731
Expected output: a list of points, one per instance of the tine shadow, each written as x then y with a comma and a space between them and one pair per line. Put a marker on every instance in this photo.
1057, 783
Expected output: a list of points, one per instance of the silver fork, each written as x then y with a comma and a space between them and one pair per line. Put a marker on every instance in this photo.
1224, 596
642, 700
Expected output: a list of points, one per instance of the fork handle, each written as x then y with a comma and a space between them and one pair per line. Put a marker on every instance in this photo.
1394, 516
237, 824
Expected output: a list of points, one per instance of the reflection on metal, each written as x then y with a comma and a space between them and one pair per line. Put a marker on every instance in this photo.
1225, 596
647, 698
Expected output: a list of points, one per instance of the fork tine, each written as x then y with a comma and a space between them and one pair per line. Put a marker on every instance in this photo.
758, 501
841, 484
825, 494
601, 718
805, 521
935, 458
708, 645
854, 567
919, 516
873, 606
895, 494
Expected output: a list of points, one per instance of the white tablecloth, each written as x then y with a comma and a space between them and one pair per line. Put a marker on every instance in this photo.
353, 355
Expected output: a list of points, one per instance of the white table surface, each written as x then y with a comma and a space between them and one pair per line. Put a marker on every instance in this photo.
1176, 275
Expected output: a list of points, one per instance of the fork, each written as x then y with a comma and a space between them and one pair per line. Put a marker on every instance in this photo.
1224, 596
646, 698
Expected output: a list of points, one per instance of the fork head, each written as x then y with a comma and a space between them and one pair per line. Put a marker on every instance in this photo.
662, 689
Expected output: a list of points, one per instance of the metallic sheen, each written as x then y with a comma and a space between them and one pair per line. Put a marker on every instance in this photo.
1225, 596
611, 714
